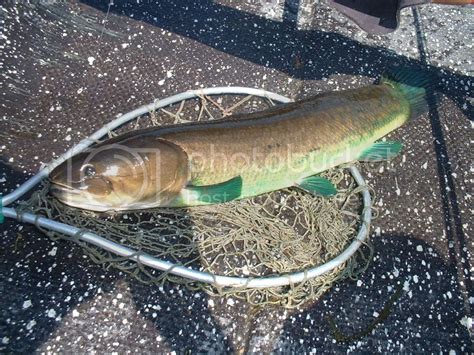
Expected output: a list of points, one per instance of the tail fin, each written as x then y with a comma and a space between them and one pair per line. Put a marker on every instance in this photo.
413, 85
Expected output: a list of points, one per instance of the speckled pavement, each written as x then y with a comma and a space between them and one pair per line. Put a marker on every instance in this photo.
63, 74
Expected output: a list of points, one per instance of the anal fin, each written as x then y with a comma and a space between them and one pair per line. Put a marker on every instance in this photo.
317, 185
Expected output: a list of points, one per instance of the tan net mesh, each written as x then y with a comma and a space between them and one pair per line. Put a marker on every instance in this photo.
278, 233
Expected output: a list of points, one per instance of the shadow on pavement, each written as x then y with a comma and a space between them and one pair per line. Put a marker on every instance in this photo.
42, 281
301, 54
451, 208
426, 317
182, 317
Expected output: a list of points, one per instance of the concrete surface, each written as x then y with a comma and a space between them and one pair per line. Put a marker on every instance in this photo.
68, 67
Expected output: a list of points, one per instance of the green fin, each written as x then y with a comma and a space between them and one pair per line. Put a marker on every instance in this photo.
413, 85
318, 185
381, 151
223, 192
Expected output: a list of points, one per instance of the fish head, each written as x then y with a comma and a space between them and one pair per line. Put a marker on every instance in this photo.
121, 176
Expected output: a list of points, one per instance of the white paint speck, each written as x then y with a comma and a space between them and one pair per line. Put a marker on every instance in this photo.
91, 60
30, 324
467, 322
27, 304
230, 302
406, 286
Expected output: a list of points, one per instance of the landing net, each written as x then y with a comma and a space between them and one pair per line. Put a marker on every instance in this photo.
272, 235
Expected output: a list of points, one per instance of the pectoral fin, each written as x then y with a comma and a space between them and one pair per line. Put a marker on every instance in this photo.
317, 185
218, 193
381, 151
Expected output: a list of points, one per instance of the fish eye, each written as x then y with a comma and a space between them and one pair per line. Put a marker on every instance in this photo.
88, 170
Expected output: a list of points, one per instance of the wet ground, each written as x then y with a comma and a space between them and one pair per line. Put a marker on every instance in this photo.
69, 67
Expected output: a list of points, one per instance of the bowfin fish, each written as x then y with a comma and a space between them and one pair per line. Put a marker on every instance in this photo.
243, 155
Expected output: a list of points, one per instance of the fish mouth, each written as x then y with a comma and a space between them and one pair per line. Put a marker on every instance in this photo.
71, 197
58, 189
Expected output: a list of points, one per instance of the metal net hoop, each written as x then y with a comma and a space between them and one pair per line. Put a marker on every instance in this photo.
286, 247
